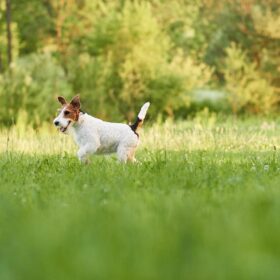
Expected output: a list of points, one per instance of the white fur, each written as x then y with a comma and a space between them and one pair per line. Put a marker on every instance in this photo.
94, 136
143, 111
63, 122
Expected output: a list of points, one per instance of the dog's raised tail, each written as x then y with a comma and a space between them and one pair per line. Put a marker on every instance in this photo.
141, 116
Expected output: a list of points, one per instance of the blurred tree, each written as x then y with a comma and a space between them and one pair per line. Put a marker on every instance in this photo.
9, 43
118, 54
123, 43
9, 31
35, 21
248, 90
252, 24
31, 84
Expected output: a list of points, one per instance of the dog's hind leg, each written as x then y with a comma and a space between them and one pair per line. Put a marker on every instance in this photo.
131, 155
125, 154
122, 154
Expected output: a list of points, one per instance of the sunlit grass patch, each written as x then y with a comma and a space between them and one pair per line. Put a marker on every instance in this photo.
202, 133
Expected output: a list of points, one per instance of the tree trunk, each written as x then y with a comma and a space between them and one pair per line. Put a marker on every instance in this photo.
9, 31
1, 61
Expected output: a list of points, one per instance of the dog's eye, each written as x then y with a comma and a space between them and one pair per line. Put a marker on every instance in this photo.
66, 113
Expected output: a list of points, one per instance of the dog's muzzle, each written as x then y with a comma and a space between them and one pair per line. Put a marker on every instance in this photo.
64, 129
61, 128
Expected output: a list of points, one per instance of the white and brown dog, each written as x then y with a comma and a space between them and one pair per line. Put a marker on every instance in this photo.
94, 136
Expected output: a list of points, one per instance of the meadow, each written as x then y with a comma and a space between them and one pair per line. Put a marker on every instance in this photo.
203, 203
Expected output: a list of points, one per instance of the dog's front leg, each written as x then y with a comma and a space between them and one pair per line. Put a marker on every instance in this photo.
85, 151
83, 155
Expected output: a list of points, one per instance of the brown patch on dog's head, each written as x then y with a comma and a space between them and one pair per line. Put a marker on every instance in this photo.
71, 110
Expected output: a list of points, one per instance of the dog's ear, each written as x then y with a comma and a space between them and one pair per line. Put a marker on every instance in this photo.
75, 102
61, 100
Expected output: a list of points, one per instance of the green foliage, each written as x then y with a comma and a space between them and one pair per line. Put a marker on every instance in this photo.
34, 21
248, 91
135, 67
254, 26
119, 54
267, 21
31, 84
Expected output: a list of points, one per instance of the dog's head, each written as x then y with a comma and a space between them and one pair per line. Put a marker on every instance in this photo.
68, 114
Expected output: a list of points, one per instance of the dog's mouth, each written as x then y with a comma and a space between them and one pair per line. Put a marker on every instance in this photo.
63, 129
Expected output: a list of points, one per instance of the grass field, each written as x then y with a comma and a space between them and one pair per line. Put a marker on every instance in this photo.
203, 204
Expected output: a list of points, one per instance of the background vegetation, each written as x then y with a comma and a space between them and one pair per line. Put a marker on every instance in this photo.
118, 54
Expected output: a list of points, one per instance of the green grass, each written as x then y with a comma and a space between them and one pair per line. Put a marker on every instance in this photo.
203, 204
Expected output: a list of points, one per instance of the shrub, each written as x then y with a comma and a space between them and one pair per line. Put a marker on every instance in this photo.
31, 84
247, 89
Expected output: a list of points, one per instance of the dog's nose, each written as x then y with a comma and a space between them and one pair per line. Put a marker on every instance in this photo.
56, 123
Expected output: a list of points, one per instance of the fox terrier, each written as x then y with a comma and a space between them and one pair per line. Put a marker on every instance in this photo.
94, 136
